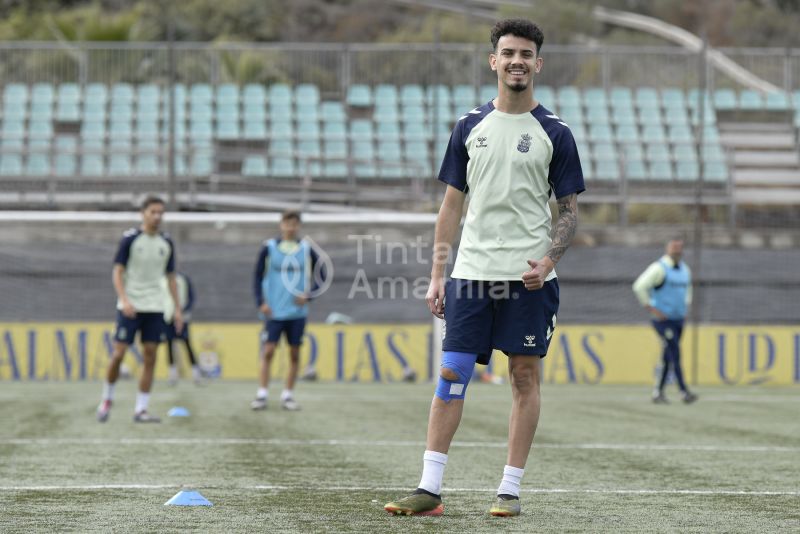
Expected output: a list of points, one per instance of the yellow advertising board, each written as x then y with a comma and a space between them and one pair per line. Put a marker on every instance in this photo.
583, 354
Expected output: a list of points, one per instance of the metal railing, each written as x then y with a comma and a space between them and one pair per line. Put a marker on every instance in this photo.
334, 67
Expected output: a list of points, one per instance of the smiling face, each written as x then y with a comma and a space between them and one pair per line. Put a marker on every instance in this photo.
516, 61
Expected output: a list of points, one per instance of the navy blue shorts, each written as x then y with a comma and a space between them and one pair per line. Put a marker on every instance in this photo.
481, 316
151, 328
173, 335
294, 328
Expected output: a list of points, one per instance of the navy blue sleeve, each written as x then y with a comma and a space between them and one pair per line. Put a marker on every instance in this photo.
189, 294
124, 250
565, 175
258, 275
171, 261
454, 165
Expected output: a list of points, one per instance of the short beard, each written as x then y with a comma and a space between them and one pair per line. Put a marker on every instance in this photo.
517, 87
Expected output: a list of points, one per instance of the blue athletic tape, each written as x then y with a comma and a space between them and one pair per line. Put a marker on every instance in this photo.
462, 364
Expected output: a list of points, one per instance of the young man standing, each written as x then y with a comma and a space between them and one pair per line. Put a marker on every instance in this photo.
510, 155
282, 283
664, 289
144, 256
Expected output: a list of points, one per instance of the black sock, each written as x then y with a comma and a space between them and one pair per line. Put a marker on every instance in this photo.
426, 492
507, 497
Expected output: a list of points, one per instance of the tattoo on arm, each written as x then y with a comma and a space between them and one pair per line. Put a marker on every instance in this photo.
565, 227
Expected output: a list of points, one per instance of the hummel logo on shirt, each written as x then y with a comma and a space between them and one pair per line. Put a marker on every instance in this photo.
481, 143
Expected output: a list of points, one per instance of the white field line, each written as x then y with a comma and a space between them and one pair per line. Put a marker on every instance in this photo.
392, 443
270, 487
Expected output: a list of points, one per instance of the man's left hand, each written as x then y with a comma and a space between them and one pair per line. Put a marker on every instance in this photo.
535, 278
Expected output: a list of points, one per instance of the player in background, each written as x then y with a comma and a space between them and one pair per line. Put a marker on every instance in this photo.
664, 289
145, 255
186, 297
285, 275
510, 155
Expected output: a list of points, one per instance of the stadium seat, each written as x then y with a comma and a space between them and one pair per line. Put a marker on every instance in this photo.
724, 99
687, 171
335, 149
254, 131
713, 152
635, 170
227, 113
202, 163
386, 94
281, 113
673, 98
438, 95
415, 131
255, 166
388, 131
97, 93
254, 95
334, 130
280, 130
122, 93
715, 171
147, 165
227, 95
627, 133
661, 171
335, 169
680, 134
42, 93
386, 113
606, 170
308, 131
283, 167
578, 132
10, 165
120, 165
15, 112
647, 98
228, 130
593, 97
545, 95
685, 152
92, 165
487, 93
658, 152
361, 130
280, 95
572, 115
653, 133
412, 95
465, 98
597, 115
309, 149
749, 99
623, 116
362, 150
306, 95
15, 94
332, 111
621, 97
201, 93
583, 151
200, 130
676, 116
13, 129
38, 165
600, 133
148, 95
604, 150
359, 96
569, 96
65, 165
631, 150
412, 113
777, 101
649, 116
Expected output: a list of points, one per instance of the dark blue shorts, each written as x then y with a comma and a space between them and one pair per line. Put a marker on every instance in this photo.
172, 335
151, 328
481, 316
294, 328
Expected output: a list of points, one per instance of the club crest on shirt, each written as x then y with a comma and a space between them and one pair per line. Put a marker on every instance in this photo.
524, 143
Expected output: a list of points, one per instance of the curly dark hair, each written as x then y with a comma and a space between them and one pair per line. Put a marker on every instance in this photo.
518, 28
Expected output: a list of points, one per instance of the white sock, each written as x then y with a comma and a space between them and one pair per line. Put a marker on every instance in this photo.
512, 476
108, 391
286, 394
432, 471
142, 399
262, 393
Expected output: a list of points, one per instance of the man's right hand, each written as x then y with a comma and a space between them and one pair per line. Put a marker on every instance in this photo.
128, 310
655, 312
265, 309
435, 297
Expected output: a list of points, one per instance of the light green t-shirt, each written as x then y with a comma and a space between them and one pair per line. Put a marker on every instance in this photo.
146, 258
508, 164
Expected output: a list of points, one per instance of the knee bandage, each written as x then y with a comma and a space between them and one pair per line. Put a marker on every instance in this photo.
462, 364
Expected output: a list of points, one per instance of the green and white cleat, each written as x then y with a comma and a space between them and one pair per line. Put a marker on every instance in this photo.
418, 503
505, 506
